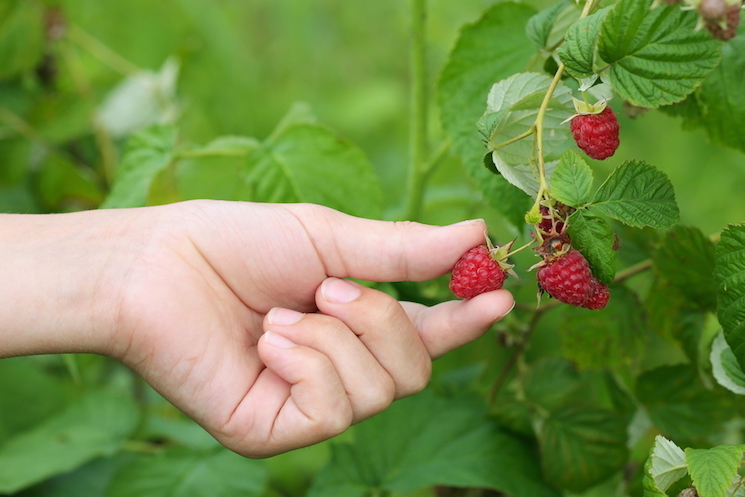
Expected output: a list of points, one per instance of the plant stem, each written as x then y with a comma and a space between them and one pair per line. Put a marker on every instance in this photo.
516, 138
102, 137
543, 183
519, 350
631, 271
20, 125
210, 152
418, 110
101, 51
517, 250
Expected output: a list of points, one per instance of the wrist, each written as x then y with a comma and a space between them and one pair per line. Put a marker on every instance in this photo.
60, 276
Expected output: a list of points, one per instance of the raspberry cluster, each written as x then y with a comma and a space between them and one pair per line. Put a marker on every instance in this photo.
563, 272
567, 277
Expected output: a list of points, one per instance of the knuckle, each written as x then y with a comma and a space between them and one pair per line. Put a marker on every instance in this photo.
387, 305
338, 419
416, 381
380, 396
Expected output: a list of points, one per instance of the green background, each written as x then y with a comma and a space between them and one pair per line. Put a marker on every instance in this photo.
243, 65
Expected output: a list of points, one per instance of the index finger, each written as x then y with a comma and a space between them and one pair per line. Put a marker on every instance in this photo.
385, 250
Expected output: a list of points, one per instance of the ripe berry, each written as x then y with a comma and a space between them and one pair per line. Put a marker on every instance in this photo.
567, 278
599, 296
596, 134
477, 272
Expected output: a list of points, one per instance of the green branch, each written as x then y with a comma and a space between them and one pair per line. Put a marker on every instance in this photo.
418, 115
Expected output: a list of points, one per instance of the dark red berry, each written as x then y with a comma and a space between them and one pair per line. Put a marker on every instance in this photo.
599, 296
547, 222
567, 278
475, 273
552, 223
596, 134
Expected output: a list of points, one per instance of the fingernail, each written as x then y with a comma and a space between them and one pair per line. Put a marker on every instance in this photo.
513, 306
339, 291
278, 340
283, 317
470, 221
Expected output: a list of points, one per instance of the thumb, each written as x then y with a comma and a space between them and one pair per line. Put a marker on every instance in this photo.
383, 250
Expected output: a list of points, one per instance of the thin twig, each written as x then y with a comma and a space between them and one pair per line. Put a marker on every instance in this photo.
519, 350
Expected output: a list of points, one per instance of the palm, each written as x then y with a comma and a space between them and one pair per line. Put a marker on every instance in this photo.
195, 302
203, 337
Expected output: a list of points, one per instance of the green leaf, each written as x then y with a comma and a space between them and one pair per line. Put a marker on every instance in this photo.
612, 339
719, 104
97, 425
713, 470
473, 66
582, 446
28, 395
686, 258
298, 113
551, 382
540, 25
729, 276
488, 124
501, 195
655, 55
666, 465
571, 183
578, 51
520, 96
638, 195
310, 163
182, 472
672, 316
675, 399
21, 36
423, 441
594, 237
64, 185
301, 162
725, 368
91, 479
215, 170
147, 153
181, 431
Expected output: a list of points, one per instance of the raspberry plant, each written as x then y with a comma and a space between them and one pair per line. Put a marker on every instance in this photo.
634, 388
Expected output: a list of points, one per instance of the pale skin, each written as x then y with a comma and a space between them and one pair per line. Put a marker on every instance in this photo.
241, 314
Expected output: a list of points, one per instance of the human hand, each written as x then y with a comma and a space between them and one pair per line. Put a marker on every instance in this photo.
238, 313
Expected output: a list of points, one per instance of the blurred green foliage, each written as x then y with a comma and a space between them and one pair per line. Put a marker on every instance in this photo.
242, 67
327, 82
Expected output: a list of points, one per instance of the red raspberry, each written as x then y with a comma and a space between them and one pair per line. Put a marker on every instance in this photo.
596, 134
599, 296
475, 273
568, 278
